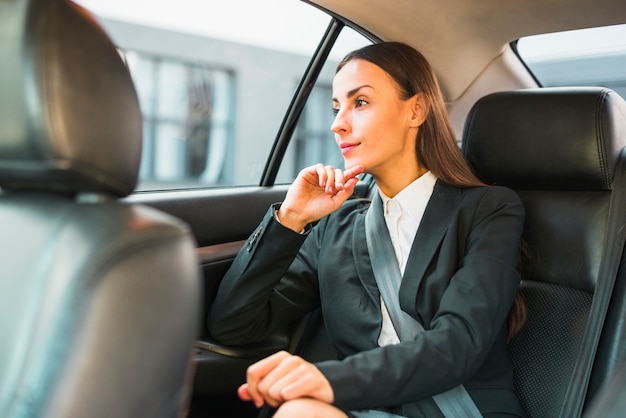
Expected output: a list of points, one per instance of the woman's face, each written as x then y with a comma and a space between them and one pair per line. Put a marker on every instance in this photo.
373, 126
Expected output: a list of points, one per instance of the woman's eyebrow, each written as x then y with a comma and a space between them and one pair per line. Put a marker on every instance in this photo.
353, 92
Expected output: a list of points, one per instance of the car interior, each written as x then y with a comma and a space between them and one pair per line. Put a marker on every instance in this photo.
105, 290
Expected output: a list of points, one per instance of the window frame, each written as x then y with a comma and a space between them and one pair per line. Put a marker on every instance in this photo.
294, 111
572, 63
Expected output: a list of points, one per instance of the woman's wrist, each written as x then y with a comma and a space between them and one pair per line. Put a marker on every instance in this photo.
291, 220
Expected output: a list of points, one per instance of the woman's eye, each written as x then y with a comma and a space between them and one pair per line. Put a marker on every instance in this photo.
335, 111
360, 102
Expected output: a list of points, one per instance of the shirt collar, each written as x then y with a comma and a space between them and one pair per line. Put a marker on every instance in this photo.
412, 198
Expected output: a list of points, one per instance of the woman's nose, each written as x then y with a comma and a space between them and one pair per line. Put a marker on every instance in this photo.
340, 125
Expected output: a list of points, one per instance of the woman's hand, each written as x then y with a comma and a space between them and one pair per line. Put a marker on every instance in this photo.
283, 377
317, 191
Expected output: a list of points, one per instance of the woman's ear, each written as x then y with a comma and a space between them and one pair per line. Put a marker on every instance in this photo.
420, 106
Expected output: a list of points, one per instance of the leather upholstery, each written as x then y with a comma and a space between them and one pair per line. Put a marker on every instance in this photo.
68, 106
558, 148
566, 140
99, 298
611, 402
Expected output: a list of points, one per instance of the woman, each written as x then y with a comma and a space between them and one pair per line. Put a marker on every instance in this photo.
455, 240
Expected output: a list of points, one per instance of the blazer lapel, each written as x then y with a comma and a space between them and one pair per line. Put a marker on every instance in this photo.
435, 222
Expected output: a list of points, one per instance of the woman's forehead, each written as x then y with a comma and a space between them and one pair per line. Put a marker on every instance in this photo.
358, 72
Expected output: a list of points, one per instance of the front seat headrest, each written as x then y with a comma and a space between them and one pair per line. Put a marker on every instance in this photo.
64, 64
547, 139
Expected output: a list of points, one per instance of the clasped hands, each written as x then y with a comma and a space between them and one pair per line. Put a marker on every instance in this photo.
283, 377
317, 191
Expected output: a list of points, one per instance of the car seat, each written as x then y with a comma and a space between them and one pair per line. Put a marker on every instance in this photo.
99, 298
562, 150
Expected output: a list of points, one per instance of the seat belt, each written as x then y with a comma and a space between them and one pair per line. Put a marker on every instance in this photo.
454, 403
612, 252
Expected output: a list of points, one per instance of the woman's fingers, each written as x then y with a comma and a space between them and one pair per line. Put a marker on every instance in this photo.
335, 180
322, 177
243, 393
352, 172
288, 372
285, 373
331, 187
350, 178
283, 377
331, 179
317, 191
344, 179
257, 372
339, 179
310, 383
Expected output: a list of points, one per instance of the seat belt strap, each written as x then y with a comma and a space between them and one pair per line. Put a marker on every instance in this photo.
454, 403
387, 271
612, 252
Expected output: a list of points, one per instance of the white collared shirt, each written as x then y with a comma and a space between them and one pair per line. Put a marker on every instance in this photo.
403, 215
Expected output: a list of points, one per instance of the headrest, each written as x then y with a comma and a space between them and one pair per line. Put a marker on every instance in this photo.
547, 139
69, 115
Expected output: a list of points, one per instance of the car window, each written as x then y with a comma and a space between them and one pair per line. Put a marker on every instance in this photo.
214, 81
587, 57
313, 142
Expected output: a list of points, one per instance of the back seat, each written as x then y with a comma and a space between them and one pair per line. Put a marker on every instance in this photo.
558, 148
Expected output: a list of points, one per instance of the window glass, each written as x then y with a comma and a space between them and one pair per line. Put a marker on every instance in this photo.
187, 119
313, 141
587, 57
214, 81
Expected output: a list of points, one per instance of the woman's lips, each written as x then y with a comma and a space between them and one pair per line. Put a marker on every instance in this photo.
347, 147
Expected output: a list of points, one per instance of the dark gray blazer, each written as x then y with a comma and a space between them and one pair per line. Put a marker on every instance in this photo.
459, 283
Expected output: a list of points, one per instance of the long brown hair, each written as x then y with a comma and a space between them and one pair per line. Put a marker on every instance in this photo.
437, 149
436, 146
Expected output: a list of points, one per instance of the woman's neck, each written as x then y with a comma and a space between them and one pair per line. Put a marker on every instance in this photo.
396, 181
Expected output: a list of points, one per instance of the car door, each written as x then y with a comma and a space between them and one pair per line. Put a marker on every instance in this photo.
229, 119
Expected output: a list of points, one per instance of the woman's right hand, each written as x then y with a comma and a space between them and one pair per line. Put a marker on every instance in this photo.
317, 191
283, 377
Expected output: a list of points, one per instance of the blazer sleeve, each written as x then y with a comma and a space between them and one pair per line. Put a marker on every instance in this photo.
258, 294
469, 317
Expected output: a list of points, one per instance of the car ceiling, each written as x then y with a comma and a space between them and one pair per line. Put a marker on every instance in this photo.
461, 38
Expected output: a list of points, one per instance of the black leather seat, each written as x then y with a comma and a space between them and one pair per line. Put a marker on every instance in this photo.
610, 402
99, 299
558, 148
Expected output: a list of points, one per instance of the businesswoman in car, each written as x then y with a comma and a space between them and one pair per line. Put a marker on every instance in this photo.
453, 240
